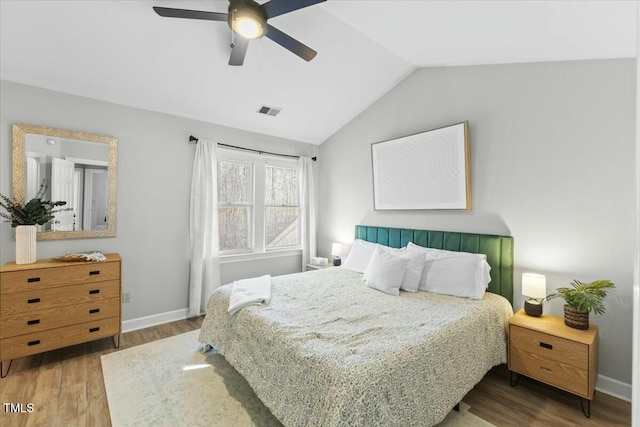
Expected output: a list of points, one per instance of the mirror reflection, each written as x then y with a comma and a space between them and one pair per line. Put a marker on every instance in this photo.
76, 172
78, 167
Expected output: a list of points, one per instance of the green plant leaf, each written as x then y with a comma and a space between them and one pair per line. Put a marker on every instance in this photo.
36, 211
585, 297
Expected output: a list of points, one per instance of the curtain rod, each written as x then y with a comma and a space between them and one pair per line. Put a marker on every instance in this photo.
193, 139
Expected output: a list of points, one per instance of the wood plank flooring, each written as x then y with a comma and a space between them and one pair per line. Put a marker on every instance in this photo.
532, 403
66, 389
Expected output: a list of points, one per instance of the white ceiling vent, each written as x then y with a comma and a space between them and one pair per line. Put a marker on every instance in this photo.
269, 111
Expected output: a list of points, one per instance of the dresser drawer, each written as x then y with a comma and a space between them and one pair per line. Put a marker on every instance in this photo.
55, 317
550, 371
549, 346
37, 342
39, 299
45, 278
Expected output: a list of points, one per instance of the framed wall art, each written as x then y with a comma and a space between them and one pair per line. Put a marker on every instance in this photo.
428, 170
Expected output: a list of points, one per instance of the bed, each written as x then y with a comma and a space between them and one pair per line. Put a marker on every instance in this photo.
329, 351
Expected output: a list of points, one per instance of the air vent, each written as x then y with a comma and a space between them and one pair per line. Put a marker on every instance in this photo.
269, 111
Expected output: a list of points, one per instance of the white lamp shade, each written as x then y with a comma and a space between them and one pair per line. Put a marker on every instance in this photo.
534, 285
336, 249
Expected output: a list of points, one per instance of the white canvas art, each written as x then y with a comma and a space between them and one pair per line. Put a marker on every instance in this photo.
429, 170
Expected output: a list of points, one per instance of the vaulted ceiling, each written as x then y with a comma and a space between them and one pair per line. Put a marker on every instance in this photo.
123, 52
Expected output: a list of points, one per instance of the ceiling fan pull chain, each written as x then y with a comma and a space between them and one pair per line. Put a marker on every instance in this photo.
233, 41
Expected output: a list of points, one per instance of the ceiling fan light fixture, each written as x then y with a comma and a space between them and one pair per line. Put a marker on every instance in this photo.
247, 19
248, 27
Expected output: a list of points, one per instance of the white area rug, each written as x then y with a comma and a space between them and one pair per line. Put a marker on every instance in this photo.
169, 383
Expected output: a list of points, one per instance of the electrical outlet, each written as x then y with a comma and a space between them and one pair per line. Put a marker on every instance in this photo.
126, 297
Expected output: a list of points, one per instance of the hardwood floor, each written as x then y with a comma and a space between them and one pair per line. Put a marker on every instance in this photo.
65, 386
532, 403
66, 389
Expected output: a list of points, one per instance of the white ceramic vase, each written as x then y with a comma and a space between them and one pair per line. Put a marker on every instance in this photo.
26, 244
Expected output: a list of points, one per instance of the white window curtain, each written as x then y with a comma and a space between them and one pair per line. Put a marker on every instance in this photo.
204, 275
308, 206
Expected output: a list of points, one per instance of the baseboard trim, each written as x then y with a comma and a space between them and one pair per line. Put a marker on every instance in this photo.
614, 388
153, 320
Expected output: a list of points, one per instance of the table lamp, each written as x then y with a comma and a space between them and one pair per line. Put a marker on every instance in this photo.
534, 286
336, 250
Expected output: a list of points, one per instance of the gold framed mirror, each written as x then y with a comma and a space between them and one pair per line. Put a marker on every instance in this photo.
79, 168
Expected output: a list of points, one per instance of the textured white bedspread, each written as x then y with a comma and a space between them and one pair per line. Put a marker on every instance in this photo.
328, 351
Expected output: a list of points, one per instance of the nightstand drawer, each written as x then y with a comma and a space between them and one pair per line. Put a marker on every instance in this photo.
549, 347
550, 371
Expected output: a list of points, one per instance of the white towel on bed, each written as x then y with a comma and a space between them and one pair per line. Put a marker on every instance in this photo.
250, 291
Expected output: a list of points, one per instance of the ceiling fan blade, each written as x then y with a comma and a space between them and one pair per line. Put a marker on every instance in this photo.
289, 43
278, 7
169, 12
238, 51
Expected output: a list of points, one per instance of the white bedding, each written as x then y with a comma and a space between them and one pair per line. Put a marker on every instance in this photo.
329, 351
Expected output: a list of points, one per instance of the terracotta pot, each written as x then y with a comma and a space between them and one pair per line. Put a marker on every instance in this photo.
576, 319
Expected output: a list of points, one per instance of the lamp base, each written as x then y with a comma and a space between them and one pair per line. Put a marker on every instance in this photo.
533, 308
337, 261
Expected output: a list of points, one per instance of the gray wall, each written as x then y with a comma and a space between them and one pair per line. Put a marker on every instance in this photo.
154, 179
552, 164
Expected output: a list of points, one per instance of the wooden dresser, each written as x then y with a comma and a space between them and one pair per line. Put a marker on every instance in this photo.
53, 304
545, 349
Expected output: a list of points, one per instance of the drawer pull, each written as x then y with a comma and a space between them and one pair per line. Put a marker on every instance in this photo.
96, 329
33, 322
94, 310
545, 345
94, 291
94, 273
33, 279
33, 300
36, 342
546, 369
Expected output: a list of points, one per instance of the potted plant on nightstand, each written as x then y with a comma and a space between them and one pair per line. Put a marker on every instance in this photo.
581, 299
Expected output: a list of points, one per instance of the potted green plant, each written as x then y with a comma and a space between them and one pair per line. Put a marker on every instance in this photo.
581, 299
25, 216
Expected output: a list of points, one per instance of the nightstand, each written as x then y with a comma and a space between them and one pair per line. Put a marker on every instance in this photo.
318, 266
545, 349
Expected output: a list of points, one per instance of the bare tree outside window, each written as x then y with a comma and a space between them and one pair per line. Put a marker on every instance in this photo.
235, 183
258, 204
282, 207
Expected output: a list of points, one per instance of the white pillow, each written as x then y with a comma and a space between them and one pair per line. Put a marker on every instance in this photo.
413, 273
359, 256
388, 249
474, 269
412, 247
387, 271
461, 276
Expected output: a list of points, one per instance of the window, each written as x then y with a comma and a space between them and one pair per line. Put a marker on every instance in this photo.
282, 207
258, 203
235, 204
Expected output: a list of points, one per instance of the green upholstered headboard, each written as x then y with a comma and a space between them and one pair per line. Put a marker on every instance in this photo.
499, 249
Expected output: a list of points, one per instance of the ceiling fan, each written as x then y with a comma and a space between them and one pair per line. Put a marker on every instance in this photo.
248, 19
